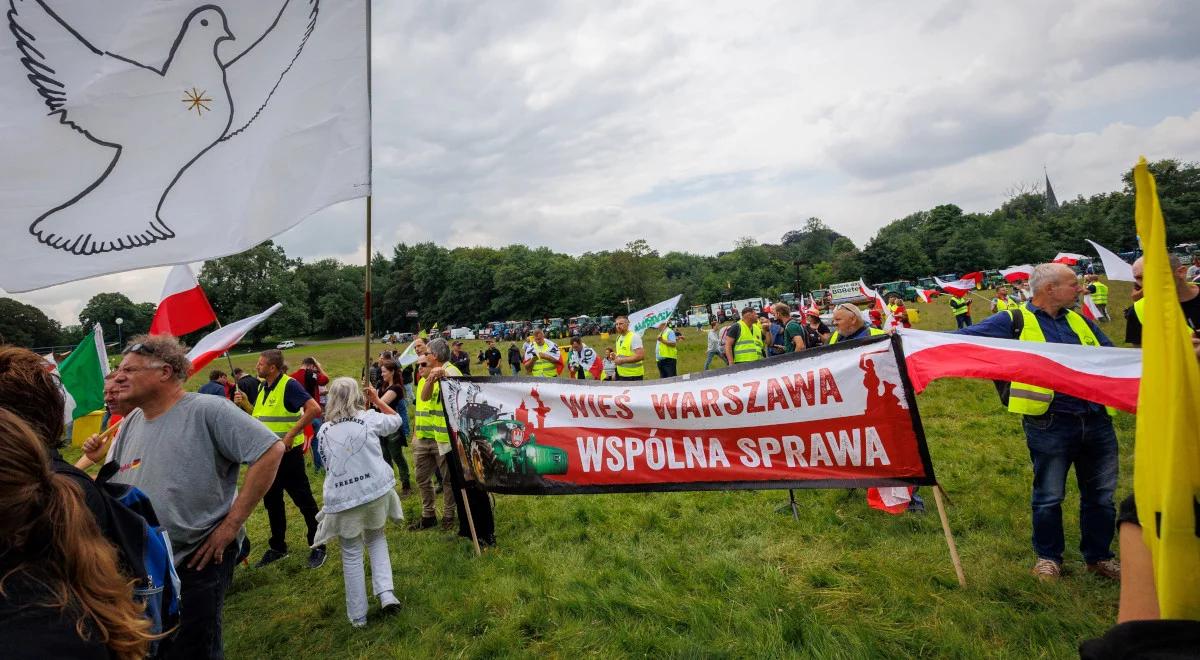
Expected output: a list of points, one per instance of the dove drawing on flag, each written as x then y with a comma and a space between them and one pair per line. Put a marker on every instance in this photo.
157, 119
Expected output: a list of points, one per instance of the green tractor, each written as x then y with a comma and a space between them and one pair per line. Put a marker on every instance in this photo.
502, 450
902, 288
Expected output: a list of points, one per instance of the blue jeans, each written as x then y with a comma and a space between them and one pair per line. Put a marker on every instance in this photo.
316, 455
1057, 440
712, 354
963, 320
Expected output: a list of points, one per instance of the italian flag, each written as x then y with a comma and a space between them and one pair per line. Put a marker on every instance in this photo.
82, 375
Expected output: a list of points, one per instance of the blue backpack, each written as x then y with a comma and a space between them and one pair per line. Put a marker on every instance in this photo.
145, 549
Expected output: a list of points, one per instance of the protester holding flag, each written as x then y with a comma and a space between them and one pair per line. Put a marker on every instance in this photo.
285, 409
176, 437
1099, 292
1061, 430
431, 439
961, 306
543, 359
899, 313
582, 361
311, 375
630, 352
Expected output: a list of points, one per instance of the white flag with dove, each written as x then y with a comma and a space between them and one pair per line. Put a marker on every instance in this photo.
144, 133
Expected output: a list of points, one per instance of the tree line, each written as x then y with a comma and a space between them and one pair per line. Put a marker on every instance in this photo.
426, 283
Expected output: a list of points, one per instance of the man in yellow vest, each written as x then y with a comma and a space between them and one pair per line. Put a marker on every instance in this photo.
745, 341
962, 310
1189, 301
1099, 292
286, 408
1062, 430
431, 436
630, 352
1002, 303
666, 351
542, 358
849, 324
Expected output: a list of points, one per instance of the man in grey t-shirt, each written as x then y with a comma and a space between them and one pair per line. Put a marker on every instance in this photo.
184, 451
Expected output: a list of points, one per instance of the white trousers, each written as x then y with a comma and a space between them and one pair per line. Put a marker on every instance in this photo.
352, 570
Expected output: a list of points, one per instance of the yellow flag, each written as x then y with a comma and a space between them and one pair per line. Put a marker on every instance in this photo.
1166, 459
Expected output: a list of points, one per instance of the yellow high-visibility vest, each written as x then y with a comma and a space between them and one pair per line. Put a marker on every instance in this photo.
270, 410
1101, 295
666, 352
542, 368
1025, 399
625, 349
872, 332
430, 415
749, 344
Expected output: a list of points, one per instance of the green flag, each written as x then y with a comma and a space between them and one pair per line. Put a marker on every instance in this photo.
83, 373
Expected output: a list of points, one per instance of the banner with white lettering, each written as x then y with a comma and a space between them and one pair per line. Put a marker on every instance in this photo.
839, 416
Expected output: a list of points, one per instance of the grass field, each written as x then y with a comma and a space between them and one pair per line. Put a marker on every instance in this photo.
713, 574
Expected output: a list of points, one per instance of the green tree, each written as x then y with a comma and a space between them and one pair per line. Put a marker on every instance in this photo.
249, 282
106, 308
26, 325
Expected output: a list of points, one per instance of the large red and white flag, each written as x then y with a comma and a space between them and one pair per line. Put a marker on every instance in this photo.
1017, 273
1102, 374
215, 343
1088, 308
960, 287
926, 295
977, 277
183, 308
1068, 258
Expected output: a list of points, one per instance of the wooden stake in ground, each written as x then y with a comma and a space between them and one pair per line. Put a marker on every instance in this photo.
958, 569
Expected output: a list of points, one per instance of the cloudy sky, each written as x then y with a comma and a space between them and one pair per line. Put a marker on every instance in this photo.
583, 125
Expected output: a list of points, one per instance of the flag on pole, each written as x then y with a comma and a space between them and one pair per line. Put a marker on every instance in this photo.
215, 343
191, 132
1017, 273
409, 355
1115, 268
957, 288
1166, 455
650, 317
183, 307
1102, 374
976, 277
82, 374
926, 295
1068, 258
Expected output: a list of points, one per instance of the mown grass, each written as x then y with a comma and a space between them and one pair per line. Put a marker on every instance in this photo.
712, 574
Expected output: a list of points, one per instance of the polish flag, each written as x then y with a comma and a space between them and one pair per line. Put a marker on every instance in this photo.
1017, 273
892, 499
1102, 374
1068, 258
215, 343
926, 295
183, 307
977, 276
959, 287
1089, 309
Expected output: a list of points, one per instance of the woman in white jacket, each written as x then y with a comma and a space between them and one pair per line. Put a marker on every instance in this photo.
359, 493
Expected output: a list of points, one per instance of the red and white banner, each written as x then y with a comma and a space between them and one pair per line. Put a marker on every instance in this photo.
957, 288
1088, 308
837, 416
183, 307
926, 295
976, 277
1017, 273
215, 343
1101, 374
1068, 258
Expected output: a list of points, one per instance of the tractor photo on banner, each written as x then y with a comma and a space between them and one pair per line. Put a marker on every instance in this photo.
837, 417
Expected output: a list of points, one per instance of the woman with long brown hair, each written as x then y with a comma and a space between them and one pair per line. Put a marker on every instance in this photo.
61, 594
392, 393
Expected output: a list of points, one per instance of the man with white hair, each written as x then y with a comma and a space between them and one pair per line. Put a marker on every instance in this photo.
1062, 430
850, 324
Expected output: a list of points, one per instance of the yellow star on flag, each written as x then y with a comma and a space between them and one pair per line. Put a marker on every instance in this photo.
196, 100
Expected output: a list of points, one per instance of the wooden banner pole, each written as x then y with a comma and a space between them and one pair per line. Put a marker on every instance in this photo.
958, 569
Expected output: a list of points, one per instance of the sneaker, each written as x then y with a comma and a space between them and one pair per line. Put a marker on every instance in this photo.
316, 558
449, 524
359, 623
422, 523
269, 557
1108, 568
1047, 570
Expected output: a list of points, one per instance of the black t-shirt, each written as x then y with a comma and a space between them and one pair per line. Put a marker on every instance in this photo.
249, 386
493, 357
29, 629
462, 361
1133, 327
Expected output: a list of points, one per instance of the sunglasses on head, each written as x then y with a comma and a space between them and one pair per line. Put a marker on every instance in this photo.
140, 349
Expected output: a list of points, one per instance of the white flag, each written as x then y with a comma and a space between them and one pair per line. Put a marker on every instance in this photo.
1115, 268
154, 132
409, 355
644, 319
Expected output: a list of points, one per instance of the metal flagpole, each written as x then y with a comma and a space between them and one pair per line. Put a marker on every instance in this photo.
370, 194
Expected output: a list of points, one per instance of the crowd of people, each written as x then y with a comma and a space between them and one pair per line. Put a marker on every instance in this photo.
66, 569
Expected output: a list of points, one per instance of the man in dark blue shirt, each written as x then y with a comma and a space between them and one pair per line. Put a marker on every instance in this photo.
217, 384
1062, 430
